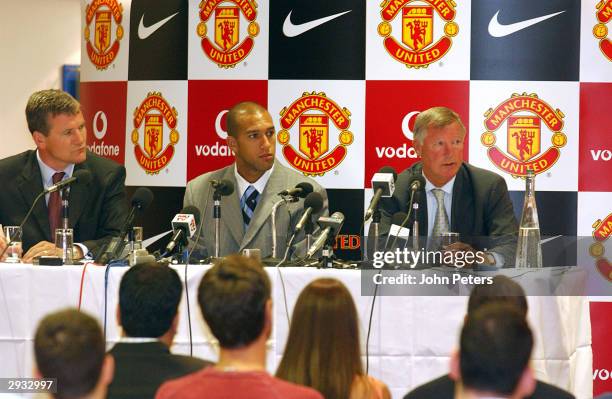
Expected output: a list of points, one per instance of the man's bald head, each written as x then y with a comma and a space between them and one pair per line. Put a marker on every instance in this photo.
238, 111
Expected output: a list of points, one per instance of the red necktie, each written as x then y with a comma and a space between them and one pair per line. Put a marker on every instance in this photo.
55, 206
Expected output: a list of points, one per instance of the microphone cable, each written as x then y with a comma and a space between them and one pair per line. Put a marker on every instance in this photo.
189, 253
367, 345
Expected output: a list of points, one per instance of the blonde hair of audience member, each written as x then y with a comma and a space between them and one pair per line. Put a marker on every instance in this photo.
322, 349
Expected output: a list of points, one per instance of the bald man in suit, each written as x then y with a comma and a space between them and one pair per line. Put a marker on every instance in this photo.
257, 179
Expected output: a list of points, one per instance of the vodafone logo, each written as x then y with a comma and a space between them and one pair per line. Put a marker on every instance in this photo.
403, 151
602, 374
219, 149
99, 127
601, 155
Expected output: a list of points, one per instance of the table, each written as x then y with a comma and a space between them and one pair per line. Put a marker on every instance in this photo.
411, 338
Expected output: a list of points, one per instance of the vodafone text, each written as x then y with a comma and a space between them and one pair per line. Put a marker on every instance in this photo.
604, 155
400, 152
602, 374
216, 150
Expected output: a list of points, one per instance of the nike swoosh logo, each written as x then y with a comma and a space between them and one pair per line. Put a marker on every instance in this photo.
498, 30
146, 31
291, 30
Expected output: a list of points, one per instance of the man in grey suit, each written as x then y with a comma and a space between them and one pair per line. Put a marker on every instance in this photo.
257, 178
458, 197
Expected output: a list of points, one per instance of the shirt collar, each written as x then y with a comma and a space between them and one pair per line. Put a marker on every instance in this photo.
47, 172
259, 185
447, 188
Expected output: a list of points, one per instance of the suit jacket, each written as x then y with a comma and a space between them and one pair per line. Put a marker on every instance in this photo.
233, 238
481, 211
96, 211
444, 388
140, 368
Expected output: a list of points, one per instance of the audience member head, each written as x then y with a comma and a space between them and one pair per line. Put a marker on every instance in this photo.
149, 296
69, 346
234, 296
322, 349
493, 358
503, 290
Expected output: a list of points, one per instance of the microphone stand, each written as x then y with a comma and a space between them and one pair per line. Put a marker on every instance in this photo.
217, 218
65, 193
277, 204
308, 230
415, 226
375, 226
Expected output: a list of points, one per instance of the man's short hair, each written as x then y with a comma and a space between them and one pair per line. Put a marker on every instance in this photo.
503, 290
69, 346
242, 108
436, 117
232, 297
45, 103
149, 296
495, 347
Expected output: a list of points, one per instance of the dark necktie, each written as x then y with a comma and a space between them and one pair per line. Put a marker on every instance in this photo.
248, 205
55, 206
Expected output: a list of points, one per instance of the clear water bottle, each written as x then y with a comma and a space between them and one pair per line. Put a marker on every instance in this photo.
528, 249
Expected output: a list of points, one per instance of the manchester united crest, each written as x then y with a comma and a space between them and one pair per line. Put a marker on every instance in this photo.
602, 231
524, 116
103, 31
604, 14
317, 118
414, 41
150, 118
224, 20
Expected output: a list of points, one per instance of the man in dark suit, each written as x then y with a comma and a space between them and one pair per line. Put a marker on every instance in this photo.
458, 197
504, 291
149, 296
97, 209
257, 178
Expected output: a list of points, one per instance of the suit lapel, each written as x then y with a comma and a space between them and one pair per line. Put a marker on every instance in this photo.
30, 186
230, 208
275, 184
463, 204
78, 197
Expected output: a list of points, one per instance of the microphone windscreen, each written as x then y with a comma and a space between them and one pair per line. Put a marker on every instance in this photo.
314, 200
225, 187
83, 176
142, 198
417, 178
389, 169
306, 189
398, 218
192, 210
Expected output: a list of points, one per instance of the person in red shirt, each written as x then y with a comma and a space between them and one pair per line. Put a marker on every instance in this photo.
234, 296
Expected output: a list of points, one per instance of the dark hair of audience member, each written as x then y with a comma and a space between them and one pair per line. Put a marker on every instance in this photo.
503, 290
69, 346
232, 296
149, 296
322, 349
495, 347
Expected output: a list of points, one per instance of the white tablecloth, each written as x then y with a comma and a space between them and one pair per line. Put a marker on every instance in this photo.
411, 338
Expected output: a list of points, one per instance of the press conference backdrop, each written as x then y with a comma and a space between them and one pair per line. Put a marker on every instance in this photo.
344, 80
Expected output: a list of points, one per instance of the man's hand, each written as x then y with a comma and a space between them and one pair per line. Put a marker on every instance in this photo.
3, 245
467, 248
43, 248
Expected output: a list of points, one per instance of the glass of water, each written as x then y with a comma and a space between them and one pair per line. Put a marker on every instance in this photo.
13, 239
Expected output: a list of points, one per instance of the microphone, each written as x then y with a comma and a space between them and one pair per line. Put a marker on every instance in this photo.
83, 176
331, 227
184, 226
383, 184
300, 190
141, 199
397, 229
222, 187
312, 204
416, 182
